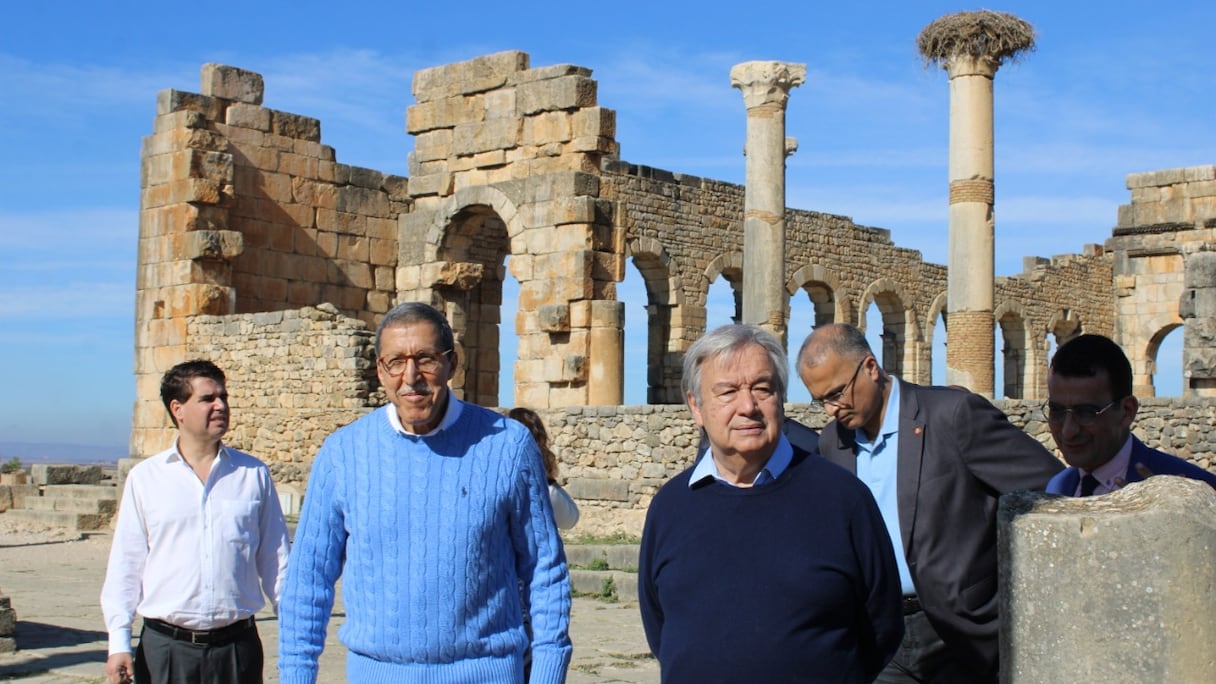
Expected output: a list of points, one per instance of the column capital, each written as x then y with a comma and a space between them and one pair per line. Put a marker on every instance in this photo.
963, 64
767, 82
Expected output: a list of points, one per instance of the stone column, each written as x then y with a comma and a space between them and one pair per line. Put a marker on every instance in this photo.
1113, 588
971, 348
606, 346
766, 87
1198, 311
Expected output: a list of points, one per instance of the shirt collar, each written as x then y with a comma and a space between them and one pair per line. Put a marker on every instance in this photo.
777, 464
450, 414
1110, 474
890, 421
175, 454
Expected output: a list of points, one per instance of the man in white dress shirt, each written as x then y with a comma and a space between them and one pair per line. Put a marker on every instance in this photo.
200, 539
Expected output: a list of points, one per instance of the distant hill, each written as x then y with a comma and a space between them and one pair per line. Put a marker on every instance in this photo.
35, 452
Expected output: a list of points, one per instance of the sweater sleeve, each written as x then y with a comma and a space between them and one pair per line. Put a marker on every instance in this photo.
313, 569
543, 571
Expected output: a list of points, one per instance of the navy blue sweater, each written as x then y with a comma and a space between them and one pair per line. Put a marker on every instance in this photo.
792, 581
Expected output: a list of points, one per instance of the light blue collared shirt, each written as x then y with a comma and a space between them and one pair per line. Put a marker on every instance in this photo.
776, 464
450, 414
878, 467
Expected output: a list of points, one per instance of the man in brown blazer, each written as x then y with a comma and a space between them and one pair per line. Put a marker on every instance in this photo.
937, 460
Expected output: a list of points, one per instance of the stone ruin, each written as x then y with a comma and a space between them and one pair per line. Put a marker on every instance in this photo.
1113, 588
260, 250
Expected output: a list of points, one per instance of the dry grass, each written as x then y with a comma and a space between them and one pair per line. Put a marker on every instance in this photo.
998, 36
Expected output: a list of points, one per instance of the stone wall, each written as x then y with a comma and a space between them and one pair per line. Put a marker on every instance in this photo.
243, 209
1171, 218
293, 378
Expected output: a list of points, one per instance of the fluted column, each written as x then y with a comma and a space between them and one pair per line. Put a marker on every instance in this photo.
971, 269
766, 86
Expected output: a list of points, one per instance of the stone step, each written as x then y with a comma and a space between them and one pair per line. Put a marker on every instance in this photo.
71, 505
80, 522
624, 585
82, 491
603, 556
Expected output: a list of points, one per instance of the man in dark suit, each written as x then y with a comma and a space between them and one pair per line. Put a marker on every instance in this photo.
1090, 408
937, 460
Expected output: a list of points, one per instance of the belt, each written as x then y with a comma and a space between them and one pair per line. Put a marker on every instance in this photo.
911, 604
222, 635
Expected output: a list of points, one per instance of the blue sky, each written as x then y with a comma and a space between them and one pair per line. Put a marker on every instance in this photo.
1112, 89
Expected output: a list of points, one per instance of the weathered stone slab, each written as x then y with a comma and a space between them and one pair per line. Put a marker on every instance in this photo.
52, 474
1114, 588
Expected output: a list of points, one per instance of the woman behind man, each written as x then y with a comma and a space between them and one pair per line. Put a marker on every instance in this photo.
565, 511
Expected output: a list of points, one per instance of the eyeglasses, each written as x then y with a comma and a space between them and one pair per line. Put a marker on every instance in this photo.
427, 363
834, 399
1084, 414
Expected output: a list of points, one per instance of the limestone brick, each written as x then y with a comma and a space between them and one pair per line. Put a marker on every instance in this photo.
566, 92
231, 83
248, 116
477, 75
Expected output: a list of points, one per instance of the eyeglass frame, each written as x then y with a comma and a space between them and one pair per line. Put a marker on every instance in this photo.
1075, 412
833, 400
418, 363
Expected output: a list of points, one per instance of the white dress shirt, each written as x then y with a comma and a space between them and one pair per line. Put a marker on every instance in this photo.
198, 556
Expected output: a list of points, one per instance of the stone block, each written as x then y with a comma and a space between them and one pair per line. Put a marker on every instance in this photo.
1110, 588
55, 474
597, 489
294, 126
567, 92
469, 139
223, 245
231, 83
477, 75
554, 318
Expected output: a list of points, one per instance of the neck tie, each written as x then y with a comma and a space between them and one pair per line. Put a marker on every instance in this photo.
1088, 484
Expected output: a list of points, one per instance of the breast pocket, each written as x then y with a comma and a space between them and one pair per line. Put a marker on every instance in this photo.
238, 522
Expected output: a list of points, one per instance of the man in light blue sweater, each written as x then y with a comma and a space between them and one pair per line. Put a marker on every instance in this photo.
434, 512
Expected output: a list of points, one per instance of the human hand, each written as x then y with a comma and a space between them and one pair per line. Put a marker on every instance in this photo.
119, 669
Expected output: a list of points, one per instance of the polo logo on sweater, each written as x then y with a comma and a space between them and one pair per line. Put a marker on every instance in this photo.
464, 492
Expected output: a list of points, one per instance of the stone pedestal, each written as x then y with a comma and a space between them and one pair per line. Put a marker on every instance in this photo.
8, 625
1114, 588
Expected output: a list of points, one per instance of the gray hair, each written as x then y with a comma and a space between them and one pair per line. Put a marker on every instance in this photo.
844, 340
417, 312
728, 341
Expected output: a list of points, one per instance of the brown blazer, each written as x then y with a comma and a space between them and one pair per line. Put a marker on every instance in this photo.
957, 455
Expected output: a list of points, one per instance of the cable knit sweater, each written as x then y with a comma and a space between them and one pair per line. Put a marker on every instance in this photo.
433, 537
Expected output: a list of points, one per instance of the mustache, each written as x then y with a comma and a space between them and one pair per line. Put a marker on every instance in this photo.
421, 389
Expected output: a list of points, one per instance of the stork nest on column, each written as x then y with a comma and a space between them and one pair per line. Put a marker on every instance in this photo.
997, 36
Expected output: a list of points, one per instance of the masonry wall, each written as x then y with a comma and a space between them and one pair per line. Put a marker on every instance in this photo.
243, 209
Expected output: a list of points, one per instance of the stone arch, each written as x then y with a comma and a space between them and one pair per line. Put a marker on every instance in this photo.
730, 267
937, 309
899, 335
827, 295
664, 313
1144, 380
472, 253
1064, 326
454, 256
1017, 353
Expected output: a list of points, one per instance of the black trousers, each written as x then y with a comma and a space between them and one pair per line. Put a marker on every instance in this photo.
923, 658
161, 659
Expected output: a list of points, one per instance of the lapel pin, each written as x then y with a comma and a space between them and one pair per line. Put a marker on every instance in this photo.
916, 431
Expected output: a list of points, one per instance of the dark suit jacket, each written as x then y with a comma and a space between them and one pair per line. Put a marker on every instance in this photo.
1159, 462
957, 455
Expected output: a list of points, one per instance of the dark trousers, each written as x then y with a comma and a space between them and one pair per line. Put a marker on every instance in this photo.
161, 659
923, 658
